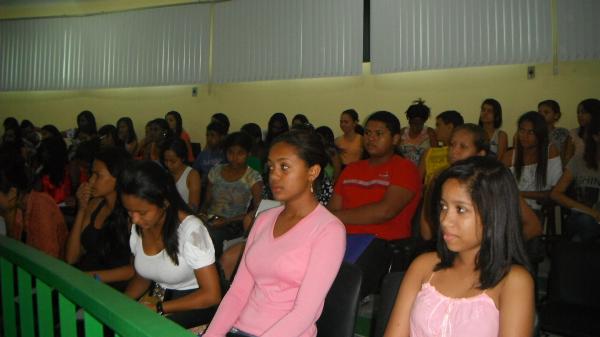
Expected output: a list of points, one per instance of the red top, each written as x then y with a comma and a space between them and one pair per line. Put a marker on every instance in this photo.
188, 142
362, 183
43, 224
58, 193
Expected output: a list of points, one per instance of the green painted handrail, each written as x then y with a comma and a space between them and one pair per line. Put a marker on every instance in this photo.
100, 302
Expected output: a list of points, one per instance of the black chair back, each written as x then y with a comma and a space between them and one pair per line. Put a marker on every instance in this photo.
341, 304
572, 307
389, 292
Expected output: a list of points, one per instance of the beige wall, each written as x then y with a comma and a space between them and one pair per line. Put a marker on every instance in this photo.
320, 99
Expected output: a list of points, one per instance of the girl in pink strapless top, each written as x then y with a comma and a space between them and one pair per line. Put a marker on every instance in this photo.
434, 314
477, 283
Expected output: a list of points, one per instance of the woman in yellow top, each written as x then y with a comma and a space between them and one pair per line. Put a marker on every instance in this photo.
350, 143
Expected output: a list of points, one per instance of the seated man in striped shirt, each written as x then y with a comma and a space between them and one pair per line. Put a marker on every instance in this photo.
378, 196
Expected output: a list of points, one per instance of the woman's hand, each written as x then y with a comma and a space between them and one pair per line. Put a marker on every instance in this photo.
84, 194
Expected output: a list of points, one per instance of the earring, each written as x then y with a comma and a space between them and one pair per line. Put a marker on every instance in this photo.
311, 189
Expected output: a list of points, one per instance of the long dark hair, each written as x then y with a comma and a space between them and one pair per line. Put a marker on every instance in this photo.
272, 134
131, 135
494, 194
90, 128
590, 152
148, 181
177, 145
116, 227
497, 111
540, 129
588, 106
111, 130
178, 122
54, 159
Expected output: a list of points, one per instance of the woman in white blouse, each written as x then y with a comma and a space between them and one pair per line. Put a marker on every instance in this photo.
534, 161
170, 246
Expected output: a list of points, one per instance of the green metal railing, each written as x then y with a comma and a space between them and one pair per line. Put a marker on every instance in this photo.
103, 306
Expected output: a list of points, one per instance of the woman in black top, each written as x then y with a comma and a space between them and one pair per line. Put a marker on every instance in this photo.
98, 242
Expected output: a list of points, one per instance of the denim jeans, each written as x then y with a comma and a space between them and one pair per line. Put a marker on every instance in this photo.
582, 227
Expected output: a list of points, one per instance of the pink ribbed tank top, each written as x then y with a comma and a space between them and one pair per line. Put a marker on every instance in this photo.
434, 314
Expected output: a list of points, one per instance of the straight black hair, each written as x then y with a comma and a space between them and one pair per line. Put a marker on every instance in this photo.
148, 181
497, 111
590, 151
131, 135
178, 146
111, 130
495, 196
178, 122
540, 129
277, 117
116, 228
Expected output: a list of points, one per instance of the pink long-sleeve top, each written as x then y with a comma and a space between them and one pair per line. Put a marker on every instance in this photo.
282, 282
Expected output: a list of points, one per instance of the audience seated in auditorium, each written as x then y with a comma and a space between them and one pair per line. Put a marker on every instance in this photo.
31, 217
187, 180
490, 119
170, 246
583, 172
534, 161
478, 283
378, 196
416, 138
98, 241
293, 253
350, 144
176, 124
234, 189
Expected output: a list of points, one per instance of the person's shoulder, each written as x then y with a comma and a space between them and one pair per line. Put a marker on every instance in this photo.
403, 163
517, 278
424, 264
42, 199
190, 223
357, 166
327, 217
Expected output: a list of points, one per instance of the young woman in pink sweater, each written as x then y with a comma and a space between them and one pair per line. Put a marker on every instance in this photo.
293, 252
